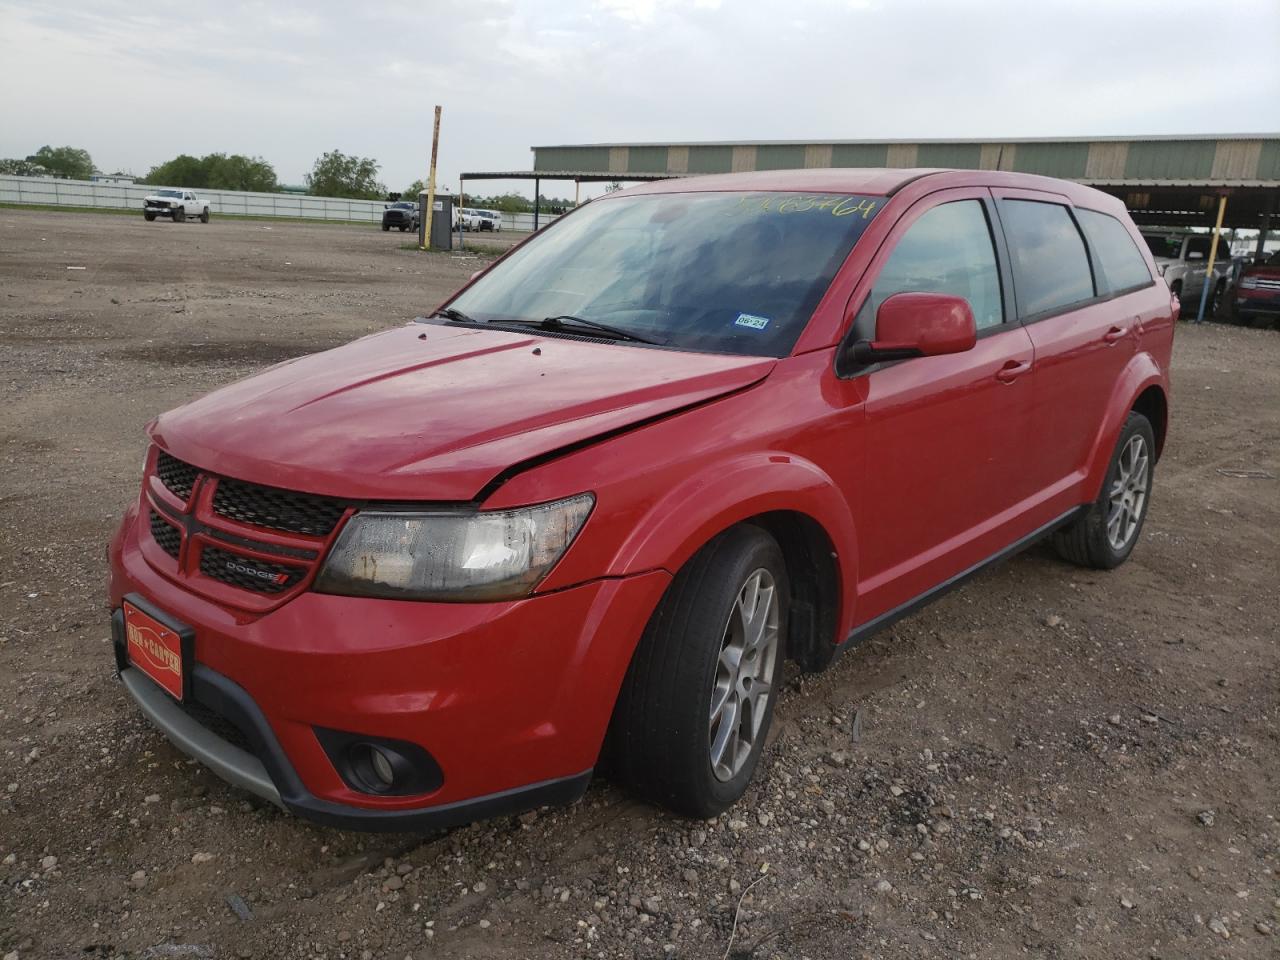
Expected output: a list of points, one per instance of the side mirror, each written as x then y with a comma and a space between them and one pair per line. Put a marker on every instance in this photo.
919, 325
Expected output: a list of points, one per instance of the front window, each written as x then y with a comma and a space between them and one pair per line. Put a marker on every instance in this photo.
726, 272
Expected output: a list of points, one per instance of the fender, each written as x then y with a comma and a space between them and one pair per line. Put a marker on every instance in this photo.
706, 503
1141, 372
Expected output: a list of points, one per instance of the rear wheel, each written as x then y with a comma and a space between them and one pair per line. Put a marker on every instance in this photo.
1104, 536
698, 698
204, 215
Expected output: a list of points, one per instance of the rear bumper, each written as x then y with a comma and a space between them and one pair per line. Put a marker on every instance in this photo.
511, 700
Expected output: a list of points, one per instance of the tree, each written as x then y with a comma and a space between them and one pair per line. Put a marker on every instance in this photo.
22, 168
69, 162
215, 171
337, 175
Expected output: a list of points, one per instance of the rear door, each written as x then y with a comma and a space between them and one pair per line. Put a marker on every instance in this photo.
1084, 320
944, 435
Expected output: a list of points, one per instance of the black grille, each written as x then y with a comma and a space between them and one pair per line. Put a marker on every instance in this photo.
217, 724
165, 534
248, 573
278, 509
158, 203
177, 476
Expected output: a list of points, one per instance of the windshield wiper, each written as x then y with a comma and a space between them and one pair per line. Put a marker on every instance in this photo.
568, 320
457, 316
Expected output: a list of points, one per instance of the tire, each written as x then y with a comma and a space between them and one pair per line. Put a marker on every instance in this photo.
1175, 288
403, 229
386, 227
179, 215
148, 217
1215, 300
1105, 535
204, 215
664, 735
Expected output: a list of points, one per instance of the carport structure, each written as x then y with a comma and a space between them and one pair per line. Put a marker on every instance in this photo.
1165, 181
579, 177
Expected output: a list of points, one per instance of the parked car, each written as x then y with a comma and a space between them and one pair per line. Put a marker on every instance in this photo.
1257, 293
581, 515
402, 214
176, 204
473, 219
1183, 260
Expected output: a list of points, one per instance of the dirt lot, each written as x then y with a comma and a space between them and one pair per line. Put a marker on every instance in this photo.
1051, 762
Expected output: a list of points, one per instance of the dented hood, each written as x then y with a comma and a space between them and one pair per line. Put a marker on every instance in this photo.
432, 412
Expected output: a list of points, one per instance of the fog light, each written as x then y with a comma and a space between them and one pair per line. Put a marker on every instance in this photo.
382, 768
380, 765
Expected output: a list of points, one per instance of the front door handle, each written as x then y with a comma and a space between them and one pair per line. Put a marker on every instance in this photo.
1114, 335
1012, 370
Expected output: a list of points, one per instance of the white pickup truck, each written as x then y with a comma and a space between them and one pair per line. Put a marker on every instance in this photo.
178, 204
1183, 261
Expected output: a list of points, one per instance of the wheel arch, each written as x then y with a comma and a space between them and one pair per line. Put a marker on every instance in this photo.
1142, 387
795, 502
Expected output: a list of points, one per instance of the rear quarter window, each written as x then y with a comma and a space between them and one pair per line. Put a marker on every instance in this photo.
1117, 259
1050, 264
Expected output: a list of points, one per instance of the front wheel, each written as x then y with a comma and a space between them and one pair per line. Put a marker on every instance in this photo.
179, 215
1105, 534
695, 708
148, 217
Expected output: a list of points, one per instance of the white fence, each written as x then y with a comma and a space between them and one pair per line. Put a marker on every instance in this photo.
84, 193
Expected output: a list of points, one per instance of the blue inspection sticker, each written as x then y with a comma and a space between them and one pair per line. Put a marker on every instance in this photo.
751, 321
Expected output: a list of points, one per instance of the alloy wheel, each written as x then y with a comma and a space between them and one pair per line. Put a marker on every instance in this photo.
1128, 495
744, 679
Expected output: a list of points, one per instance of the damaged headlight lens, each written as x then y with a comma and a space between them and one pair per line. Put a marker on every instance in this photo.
452, 554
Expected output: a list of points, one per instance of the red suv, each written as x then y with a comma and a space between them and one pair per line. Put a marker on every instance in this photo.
1257, 294
578, 517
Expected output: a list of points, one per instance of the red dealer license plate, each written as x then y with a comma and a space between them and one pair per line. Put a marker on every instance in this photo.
156, 649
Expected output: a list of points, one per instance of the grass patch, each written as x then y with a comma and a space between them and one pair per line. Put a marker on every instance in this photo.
137, 212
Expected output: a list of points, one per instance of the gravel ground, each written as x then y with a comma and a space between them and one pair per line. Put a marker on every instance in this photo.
1050, 762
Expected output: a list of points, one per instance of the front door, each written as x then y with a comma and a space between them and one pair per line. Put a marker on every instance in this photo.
945, 435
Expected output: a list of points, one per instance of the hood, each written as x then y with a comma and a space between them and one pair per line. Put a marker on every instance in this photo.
1271, 270
431, 412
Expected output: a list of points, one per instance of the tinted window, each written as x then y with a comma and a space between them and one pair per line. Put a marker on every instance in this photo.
1120, 266
1050, 265
948, 250
721, 272
1163, 245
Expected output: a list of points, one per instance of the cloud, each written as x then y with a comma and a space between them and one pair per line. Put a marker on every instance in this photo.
289, 81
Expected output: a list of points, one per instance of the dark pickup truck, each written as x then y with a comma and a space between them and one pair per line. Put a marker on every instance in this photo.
402, 214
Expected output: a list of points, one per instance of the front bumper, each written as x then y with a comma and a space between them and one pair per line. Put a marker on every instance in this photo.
1266, 304
511, 699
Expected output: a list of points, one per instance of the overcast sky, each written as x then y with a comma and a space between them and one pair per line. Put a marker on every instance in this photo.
137, 82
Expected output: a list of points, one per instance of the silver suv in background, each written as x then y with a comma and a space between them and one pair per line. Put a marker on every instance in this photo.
1183, 260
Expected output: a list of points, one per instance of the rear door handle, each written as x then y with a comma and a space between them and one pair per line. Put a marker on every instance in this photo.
1114, 335
1012, 370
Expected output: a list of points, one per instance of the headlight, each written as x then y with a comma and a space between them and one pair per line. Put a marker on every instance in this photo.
1249, 283
453, 554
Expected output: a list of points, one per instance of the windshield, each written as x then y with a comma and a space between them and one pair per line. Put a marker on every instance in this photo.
1163, 245
403, 206
169, 193
717, 272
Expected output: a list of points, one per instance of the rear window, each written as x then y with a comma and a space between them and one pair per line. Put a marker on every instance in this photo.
1117, 259
1050, 265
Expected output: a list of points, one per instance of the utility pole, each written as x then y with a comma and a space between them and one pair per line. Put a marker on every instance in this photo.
431, 181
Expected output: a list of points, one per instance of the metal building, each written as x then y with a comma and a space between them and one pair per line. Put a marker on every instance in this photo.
1175, 180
